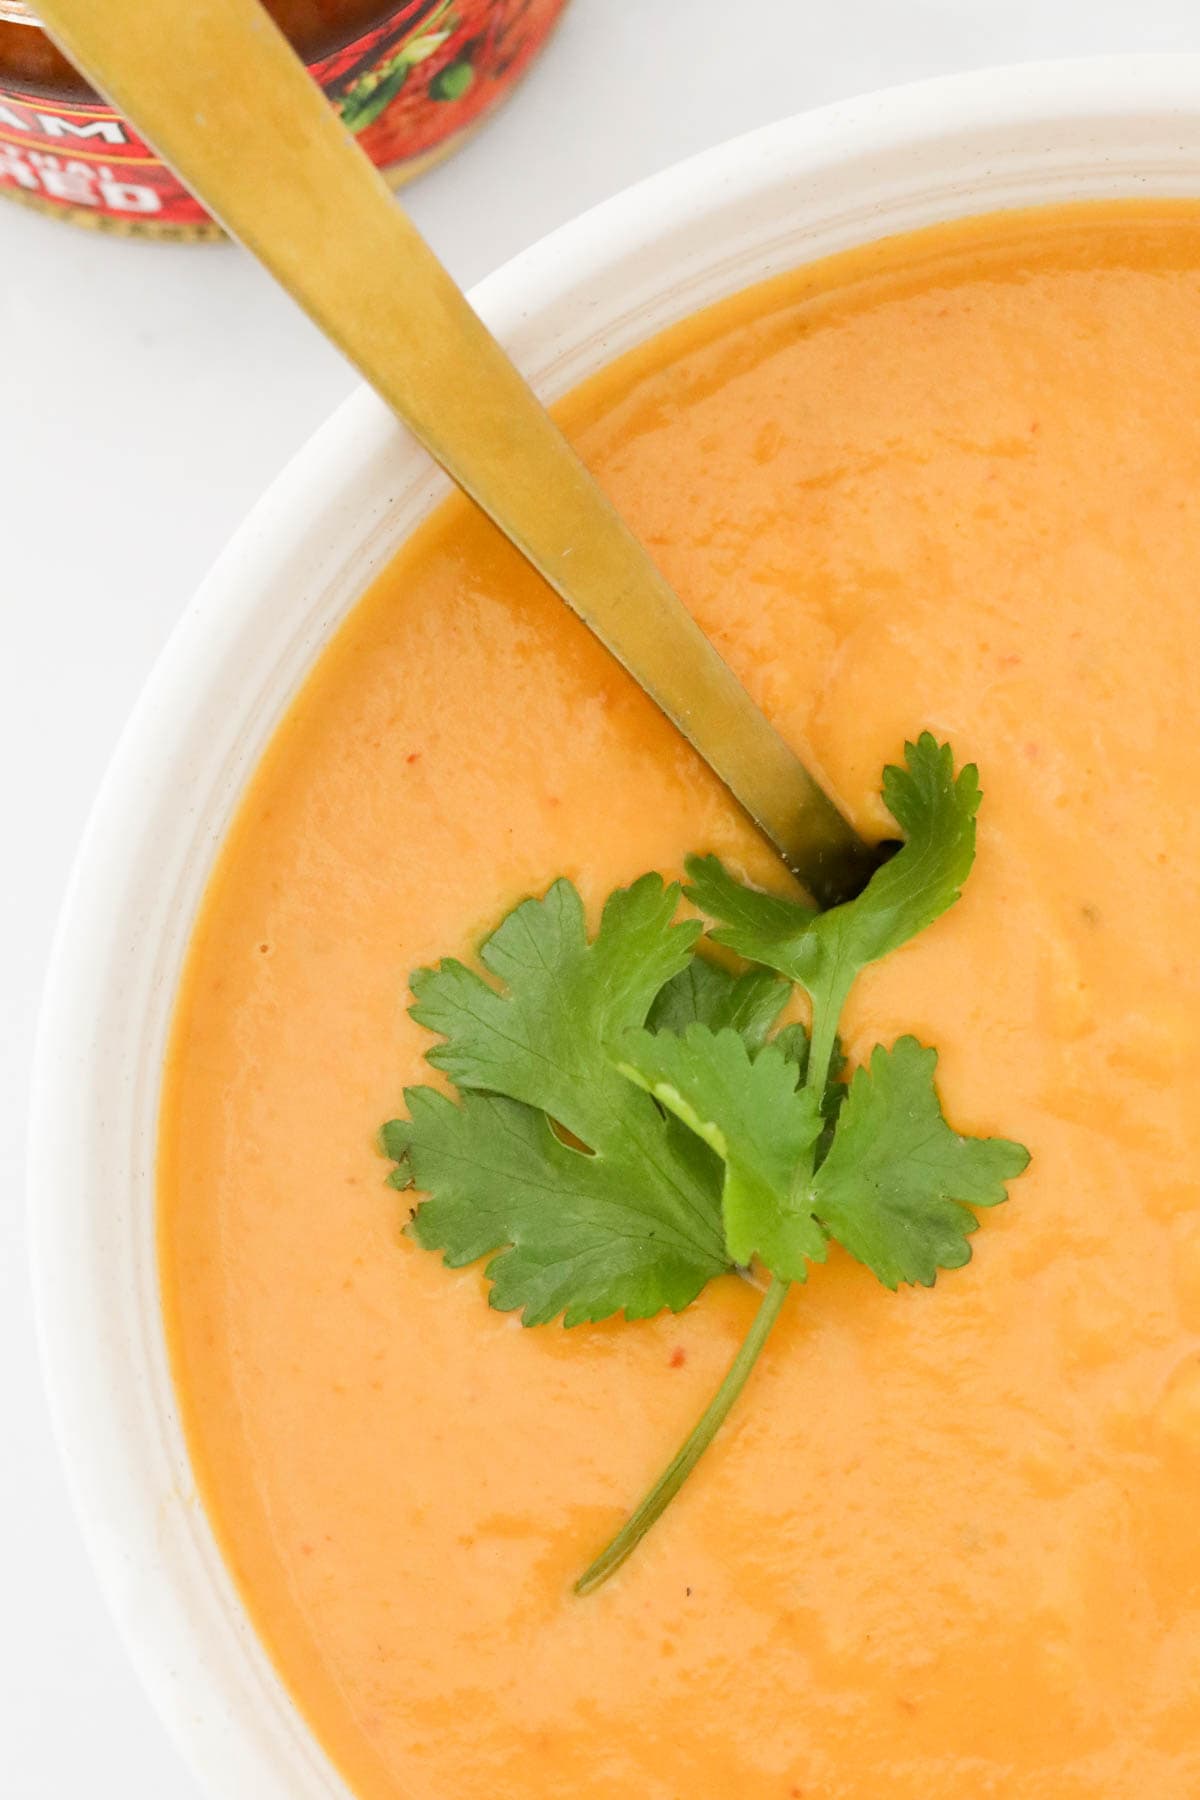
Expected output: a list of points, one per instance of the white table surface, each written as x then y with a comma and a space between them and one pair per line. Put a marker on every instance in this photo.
147, 395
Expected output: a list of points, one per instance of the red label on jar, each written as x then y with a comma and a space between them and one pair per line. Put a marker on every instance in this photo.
431, 71
85, 157
404, 90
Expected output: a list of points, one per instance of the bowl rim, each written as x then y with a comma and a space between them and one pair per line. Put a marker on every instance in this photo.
330, 495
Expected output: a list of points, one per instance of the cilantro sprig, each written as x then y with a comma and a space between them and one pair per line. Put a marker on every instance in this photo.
632, 1120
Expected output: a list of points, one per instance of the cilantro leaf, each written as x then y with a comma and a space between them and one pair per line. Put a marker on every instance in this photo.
897, 1184
541, 1038
936, 810
705, 993
575, 1234
825, 951
750, 1111
764, 928
630, 1220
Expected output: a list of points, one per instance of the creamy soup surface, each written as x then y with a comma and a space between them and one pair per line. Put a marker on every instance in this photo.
946, 1546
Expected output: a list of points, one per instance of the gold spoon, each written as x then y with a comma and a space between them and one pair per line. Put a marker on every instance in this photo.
216, 87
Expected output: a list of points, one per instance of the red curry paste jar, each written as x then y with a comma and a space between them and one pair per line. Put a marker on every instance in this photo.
409, 81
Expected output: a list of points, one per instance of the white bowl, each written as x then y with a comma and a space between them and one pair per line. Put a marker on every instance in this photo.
784, 195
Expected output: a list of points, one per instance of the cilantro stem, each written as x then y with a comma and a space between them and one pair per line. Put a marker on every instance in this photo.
660, 1496
826, 1015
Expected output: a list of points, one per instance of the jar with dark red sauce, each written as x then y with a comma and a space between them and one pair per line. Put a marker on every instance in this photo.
408, 80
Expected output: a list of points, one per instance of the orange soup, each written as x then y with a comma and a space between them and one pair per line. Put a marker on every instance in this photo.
946, 1546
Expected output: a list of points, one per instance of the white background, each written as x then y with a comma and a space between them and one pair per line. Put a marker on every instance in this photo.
147, 394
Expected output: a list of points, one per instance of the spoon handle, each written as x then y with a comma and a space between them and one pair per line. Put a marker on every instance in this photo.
216, 87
